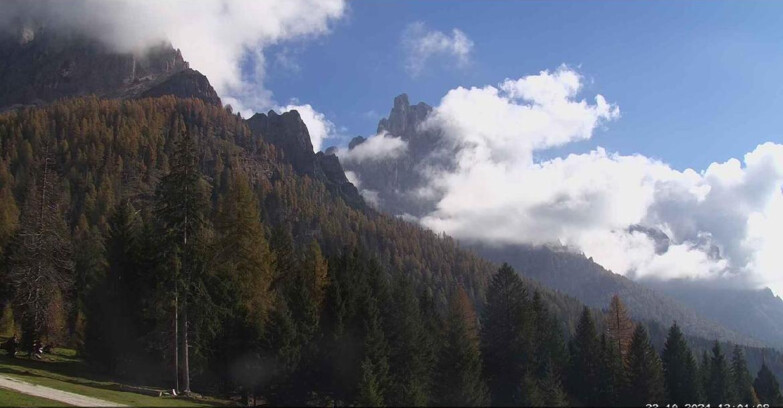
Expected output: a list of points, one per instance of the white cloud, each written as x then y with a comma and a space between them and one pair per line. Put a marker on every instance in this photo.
353, 178
319, 127
225, 40
377, 147
422, 44
722, 223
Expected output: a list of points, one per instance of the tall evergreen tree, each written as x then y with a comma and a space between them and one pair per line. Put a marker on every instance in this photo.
719, 388
679, 367
585, 360
611, 383
369, 393
409, 364
375, 380
767, 387
505, 340
458, 379
112, 336
741, 380
704, 375
180, 211
645, 373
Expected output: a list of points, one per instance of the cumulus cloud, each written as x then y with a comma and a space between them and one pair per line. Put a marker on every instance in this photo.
378, 147
721, 223
422, 45
225, 40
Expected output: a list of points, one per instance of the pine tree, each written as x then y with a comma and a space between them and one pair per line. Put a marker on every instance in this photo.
458, 373
704, 375
180, 211
552, 387
679, 367
645, 372
719, 388
742, 381
584, 360
619, 326
767, 387
369, 393
408, 362
611, 383
505, 336
375, 367
111, 334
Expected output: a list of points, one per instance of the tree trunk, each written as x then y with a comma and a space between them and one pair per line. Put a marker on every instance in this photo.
184, 349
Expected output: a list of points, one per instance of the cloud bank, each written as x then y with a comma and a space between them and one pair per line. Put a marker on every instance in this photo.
225, 40
635, 215
377, 147
422, 45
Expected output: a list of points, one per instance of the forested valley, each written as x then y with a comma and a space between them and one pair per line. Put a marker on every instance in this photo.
173, 246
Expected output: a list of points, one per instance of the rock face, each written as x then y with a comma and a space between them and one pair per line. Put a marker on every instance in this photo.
393, 181
188, 83
289, 134
38, 67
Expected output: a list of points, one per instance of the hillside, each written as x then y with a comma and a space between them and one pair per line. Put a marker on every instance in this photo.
394, 182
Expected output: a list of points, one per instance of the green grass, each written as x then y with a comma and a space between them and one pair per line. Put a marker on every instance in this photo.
10, 398
63, 371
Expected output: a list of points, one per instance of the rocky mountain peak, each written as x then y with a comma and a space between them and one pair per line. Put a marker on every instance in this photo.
404, 118
38, 66
288, 133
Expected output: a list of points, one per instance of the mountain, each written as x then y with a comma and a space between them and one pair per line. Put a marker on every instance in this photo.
757, 312
39, 66
288, 133
111, 153
395, 181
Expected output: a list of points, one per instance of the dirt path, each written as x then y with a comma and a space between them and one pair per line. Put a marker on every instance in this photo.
54, 394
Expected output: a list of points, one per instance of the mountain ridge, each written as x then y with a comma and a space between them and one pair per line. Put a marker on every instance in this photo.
395, 180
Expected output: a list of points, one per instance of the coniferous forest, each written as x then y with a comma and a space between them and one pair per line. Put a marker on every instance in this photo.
172, 246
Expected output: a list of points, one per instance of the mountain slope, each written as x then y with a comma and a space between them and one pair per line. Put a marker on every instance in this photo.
395, 181
38, 66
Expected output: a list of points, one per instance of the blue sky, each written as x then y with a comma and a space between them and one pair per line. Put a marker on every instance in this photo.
696, 82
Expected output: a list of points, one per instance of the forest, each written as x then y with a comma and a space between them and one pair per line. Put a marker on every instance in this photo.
168, 243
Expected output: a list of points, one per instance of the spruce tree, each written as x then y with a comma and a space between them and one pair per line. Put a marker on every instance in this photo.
505, 336
369, 392
458, 379
679, 367
741, 379
767, 387
375, 380
704, 371
611, 384
645, 372
719, 388
409, 364
180, 212
114, 303
585, 360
